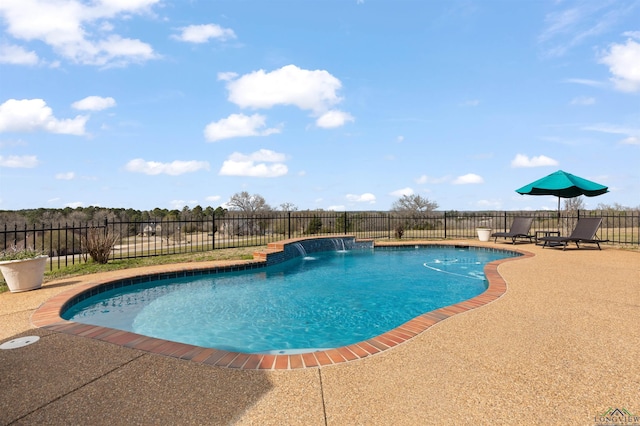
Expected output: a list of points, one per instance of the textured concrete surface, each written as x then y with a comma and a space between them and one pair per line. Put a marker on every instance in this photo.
560, 347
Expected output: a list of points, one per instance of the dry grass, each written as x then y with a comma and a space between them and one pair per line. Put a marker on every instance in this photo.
94, 267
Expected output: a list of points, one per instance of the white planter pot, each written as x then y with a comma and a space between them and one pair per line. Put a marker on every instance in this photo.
24, 274
484, 234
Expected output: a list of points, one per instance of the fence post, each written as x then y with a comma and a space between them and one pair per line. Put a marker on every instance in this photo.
213, 231
34, 237
445, 224
73, 243
288, 225
58, 244
346, 221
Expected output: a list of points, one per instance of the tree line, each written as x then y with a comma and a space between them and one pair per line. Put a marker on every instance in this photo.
239, 202
249, 204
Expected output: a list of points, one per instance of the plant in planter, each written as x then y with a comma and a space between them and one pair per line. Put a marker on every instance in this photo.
23, 269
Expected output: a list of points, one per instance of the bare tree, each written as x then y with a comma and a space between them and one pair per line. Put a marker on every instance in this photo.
571, 207
414, 204
253, 206
416, 210
249, 204
52, 216
101, 215
77, 216
288, 207
573, 204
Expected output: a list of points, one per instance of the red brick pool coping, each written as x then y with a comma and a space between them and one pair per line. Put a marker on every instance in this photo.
48, 317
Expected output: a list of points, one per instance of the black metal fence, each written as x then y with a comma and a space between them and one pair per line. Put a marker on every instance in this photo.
65, 243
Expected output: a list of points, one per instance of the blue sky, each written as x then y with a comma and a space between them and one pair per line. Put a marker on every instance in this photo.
332, 104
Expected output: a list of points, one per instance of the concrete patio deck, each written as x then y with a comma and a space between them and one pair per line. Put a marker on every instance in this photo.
562, 346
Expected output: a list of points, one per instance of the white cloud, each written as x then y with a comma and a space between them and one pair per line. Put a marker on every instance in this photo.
624, 64
362, 198
585, 82
29, 115
17, 55
265, 155
66, 176
308, 90
227, 76
583, 101
116, 51
571, 26
203, 33
94, 103
263, 163
19, 162
632, 135
213, 198
469, 178
78, 31
174, 168
238, 125
427, 179
334, 118
612, 128
337, 208
631, 140
401, 192
521, 160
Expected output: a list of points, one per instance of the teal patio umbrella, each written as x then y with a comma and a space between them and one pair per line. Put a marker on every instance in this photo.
563, 185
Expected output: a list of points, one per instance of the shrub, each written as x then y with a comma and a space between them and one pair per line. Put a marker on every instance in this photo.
315, 225
98, 243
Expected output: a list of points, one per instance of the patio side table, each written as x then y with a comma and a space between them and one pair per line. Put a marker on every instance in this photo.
545, 234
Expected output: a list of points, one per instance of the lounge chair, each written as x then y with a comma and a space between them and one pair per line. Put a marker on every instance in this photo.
519, 229
584, 232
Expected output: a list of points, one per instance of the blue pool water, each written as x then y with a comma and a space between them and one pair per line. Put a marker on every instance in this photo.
325, 300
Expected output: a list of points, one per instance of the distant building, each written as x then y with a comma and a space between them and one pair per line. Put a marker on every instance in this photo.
151, 229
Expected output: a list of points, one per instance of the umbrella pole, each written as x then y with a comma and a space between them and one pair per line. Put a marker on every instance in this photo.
559, 233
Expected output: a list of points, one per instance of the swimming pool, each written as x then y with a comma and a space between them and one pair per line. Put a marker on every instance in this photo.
323, 300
